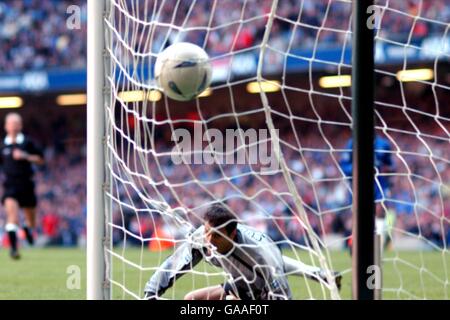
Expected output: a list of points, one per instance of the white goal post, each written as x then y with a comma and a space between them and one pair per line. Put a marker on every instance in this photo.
144, 193
97, 285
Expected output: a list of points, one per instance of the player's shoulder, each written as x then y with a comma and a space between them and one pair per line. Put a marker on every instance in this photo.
31, 145
249, 234
255, 243
28, 140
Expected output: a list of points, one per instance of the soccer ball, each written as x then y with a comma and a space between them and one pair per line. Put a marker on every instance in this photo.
183, 71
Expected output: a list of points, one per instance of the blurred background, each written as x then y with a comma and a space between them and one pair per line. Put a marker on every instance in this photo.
43, 75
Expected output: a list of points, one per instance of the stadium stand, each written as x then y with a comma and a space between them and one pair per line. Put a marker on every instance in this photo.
33, 33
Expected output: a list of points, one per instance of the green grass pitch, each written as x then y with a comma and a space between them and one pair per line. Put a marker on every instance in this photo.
52, 274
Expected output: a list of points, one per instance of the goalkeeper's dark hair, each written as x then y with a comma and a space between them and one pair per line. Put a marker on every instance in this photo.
218, 215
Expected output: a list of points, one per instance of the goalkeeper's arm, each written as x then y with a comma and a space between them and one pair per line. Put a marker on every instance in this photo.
183, 259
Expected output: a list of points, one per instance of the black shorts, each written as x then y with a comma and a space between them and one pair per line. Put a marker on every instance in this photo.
238, 292
23, 192
244, 292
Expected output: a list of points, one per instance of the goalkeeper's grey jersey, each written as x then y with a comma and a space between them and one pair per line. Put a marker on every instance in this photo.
255, 265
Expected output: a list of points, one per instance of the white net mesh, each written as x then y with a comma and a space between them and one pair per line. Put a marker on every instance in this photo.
282, 169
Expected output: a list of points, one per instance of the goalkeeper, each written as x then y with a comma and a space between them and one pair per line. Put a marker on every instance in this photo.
256, 268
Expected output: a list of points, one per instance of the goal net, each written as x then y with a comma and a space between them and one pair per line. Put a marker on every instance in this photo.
280, 106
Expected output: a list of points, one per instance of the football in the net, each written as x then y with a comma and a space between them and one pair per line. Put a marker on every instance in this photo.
183, 71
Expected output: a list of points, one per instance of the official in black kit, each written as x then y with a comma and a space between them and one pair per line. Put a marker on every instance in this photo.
18, 154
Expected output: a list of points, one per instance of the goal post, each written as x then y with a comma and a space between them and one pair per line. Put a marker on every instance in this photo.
363, 77
96, 223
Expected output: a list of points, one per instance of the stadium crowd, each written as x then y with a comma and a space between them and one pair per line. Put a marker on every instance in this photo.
419, 200
34, 34
416, 203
